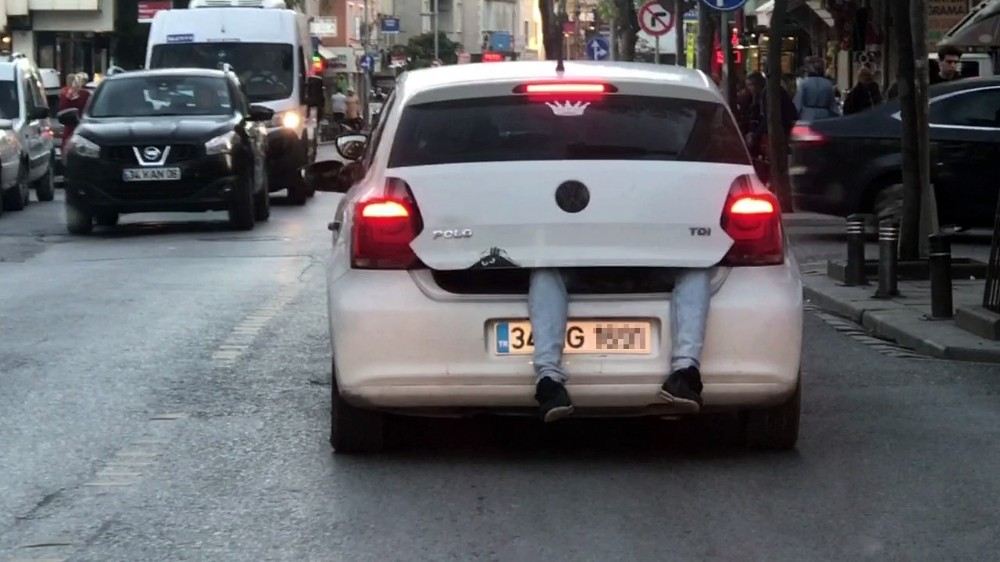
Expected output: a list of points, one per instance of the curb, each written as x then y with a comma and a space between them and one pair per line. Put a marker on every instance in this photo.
934, 338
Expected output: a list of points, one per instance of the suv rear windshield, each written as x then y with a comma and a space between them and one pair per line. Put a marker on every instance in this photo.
151, 96
266, 70
617, 127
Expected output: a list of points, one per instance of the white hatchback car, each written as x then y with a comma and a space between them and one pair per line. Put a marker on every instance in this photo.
454, 199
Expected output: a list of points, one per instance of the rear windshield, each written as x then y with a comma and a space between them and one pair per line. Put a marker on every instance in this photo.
617, 127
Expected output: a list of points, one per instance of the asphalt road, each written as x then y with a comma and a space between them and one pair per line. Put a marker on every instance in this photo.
164, 395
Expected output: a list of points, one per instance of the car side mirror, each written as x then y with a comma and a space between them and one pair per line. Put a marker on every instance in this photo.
39, 112
351, 145
69, 117
326, 176
260, 113
315, 97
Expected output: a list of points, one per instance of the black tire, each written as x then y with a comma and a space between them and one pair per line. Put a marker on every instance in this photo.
45, 188
262, 204
298, 192
16, 198
106, 218
775, 428
241, 212
78, 221
352, 429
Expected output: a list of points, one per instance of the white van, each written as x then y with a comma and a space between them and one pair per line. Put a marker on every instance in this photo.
268, 47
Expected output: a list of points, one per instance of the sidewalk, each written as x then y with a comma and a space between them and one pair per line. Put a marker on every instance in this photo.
904, 319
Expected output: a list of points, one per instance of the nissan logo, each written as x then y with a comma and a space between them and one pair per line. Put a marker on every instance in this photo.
151, 153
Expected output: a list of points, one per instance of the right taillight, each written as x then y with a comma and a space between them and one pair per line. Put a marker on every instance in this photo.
386, 221
802, 133
753, 220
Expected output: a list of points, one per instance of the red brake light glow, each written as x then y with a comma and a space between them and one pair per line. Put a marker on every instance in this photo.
806, 135
752, 219
751, 206
384, 209
385, 224
567, 88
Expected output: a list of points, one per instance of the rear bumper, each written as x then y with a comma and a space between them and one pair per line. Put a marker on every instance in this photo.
399, 345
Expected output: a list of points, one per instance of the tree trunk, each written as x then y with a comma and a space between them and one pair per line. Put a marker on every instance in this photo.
909, 243
680, 6
706, 35
551, 33
628, 25
778, 137
928, 202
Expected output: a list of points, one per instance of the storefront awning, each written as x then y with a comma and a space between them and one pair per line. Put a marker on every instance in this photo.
765, 10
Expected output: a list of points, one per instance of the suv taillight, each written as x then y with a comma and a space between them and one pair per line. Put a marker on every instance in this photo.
804, 134
385, 223
753, 220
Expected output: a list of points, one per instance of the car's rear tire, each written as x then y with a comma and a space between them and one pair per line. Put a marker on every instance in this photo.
775, 428
16, 198
106, 218
78, 221
45, 188
241, 212
352, 429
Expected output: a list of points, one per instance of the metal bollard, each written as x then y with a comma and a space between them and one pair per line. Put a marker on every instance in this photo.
854, 273
940, 272
888, 248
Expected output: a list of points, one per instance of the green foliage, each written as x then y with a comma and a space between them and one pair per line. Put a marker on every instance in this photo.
420, 50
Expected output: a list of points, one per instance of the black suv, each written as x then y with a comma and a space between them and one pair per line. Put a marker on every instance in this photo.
166, 140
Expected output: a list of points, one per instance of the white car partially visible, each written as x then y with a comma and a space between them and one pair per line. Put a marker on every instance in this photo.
458, 195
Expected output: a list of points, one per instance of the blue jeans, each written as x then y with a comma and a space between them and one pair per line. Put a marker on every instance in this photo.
548, 305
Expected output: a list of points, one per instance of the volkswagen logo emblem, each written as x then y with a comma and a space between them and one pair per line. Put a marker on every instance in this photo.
572, 196
151, 153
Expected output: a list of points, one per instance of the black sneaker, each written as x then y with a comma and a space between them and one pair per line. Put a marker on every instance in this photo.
683, 387
553, 400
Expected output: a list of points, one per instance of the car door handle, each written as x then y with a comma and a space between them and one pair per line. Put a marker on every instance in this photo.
333, 226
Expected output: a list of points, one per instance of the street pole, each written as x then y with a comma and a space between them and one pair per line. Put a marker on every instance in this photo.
657, 59
727, 57
435, 26
928, 206
679, 30
705, 35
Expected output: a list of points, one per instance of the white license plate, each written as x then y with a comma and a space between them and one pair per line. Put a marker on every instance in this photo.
151, 174
598, 337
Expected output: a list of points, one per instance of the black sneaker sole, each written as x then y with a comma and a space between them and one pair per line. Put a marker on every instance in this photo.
558, 413
671, 399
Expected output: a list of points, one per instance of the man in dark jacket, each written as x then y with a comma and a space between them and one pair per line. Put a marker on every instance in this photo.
948, 63
756, 137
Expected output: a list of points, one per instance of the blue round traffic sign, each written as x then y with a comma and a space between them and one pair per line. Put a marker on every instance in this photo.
598, 48
725, 5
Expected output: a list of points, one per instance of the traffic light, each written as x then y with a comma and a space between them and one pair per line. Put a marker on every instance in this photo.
318, 65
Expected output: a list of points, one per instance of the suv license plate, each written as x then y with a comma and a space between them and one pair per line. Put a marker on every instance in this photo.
596, 337
151, 174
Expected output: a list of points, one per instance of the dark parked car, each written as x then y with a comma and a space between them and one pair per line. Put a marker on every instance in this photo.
853, 164
167, 140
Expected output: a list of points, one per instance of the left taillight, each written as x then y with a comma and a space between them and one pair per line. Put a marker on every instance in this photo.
386, 221
753, 220
804, 134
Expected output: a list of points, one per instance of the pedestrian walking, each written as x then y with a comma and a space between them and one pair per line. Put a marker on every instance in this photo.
815, 97
353, 111
757, 137
864, 95
338, 106
949, 65
73, 96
